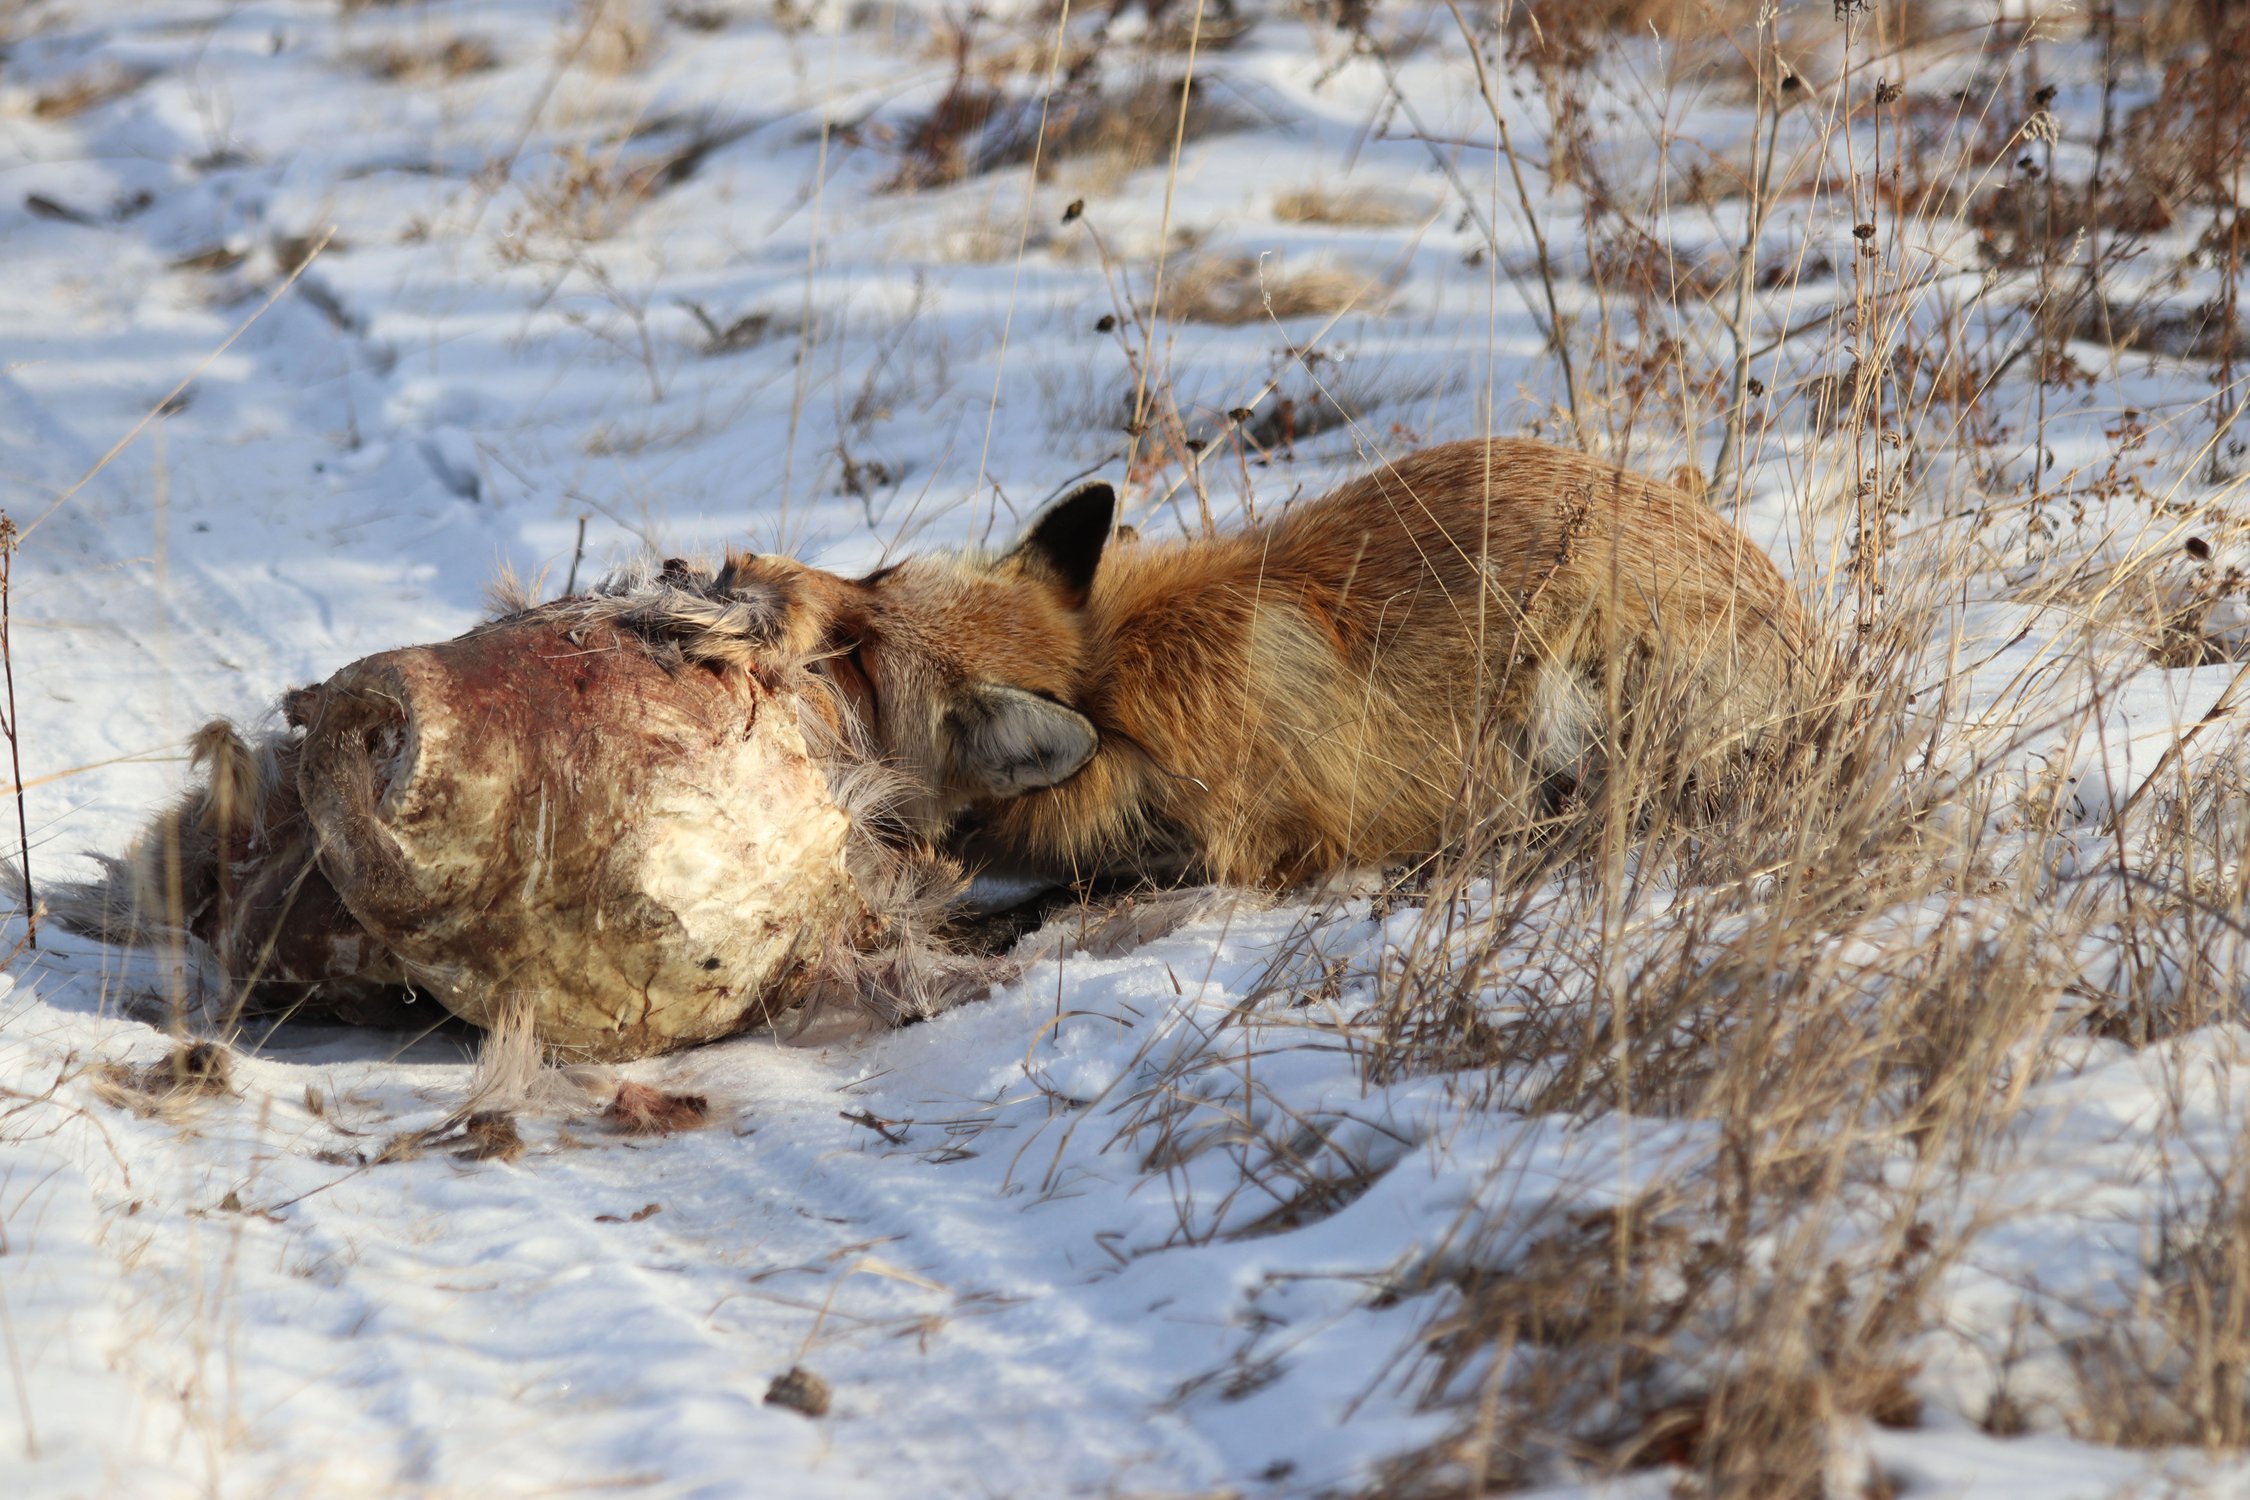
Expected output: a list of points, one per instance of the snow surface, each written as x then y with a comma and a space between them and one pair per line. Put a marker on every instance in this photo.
966, 1228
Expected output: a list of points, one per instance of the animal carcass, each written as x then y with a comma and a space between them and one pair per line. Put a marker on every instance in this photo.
634, 814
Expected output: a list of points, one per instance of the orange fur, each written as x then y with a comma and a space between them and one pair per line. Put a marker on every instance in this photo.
1327, 690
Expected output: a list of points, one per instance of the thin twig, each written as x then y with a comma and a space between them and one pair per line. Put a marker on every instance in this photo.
1023, 239
570, 584
2223, 708
1163, 249
1735, 437
1555, 333
8, 540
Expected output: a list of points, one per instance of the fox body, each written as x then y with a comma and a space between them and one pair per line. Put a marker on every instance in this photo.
1328, 689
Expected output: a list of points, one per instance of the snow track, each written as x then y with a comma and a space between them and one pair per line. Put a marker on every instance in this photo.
609, 1310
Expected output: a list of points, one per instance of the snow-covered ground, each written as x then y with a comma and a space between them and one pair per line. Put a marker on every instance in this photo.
662, 278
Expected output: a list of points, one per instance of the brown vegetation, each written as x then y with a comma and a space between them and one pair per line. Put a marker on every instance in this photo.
1218, 288
442, 63
977, 128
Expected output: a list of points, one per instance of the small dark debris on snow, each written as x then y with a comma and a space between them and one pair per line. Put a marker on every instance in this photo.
232, 1204
330, 306
40, 206
639, 1215
190, 1071
291, 251
490, 1135
699, 17
196, 1067
641, 1110
880, 1127
730, 335
799, 1390
215, 261
487, 1135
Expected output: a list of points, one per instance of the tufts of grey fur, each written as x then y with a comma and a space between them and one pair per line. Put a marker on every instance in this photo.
705, 616
147, 896
117, 909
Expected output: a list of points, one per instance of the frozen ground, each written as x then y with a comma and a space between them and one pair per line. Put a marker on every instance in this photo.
640, 271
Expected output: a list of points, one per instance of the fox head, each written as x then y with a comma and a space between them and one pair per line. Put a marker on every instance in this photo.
964, 667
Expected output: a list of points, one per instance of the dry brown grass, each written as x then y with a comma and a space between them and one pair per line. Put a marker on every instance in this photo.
1799, 963
1828, 962
171, 1088
592, 190
89, 90
1572, 35
2172, 1367
2162, 30
1845, 965
460, 57
1850, 965
1638, 17
978, 127
1357, 208
1214, 287
616, 37
1638, 1339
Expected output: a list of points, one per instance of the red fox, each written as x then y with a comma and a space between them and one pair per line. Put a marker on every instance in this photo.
1309, 694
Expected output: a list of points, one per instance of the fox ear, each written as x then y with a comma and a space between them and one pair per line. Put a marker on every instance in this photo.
1064, 541
1007, 742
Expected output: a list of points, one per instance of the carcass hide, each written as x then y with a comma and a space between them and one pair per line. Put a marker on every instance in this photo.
634, 813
